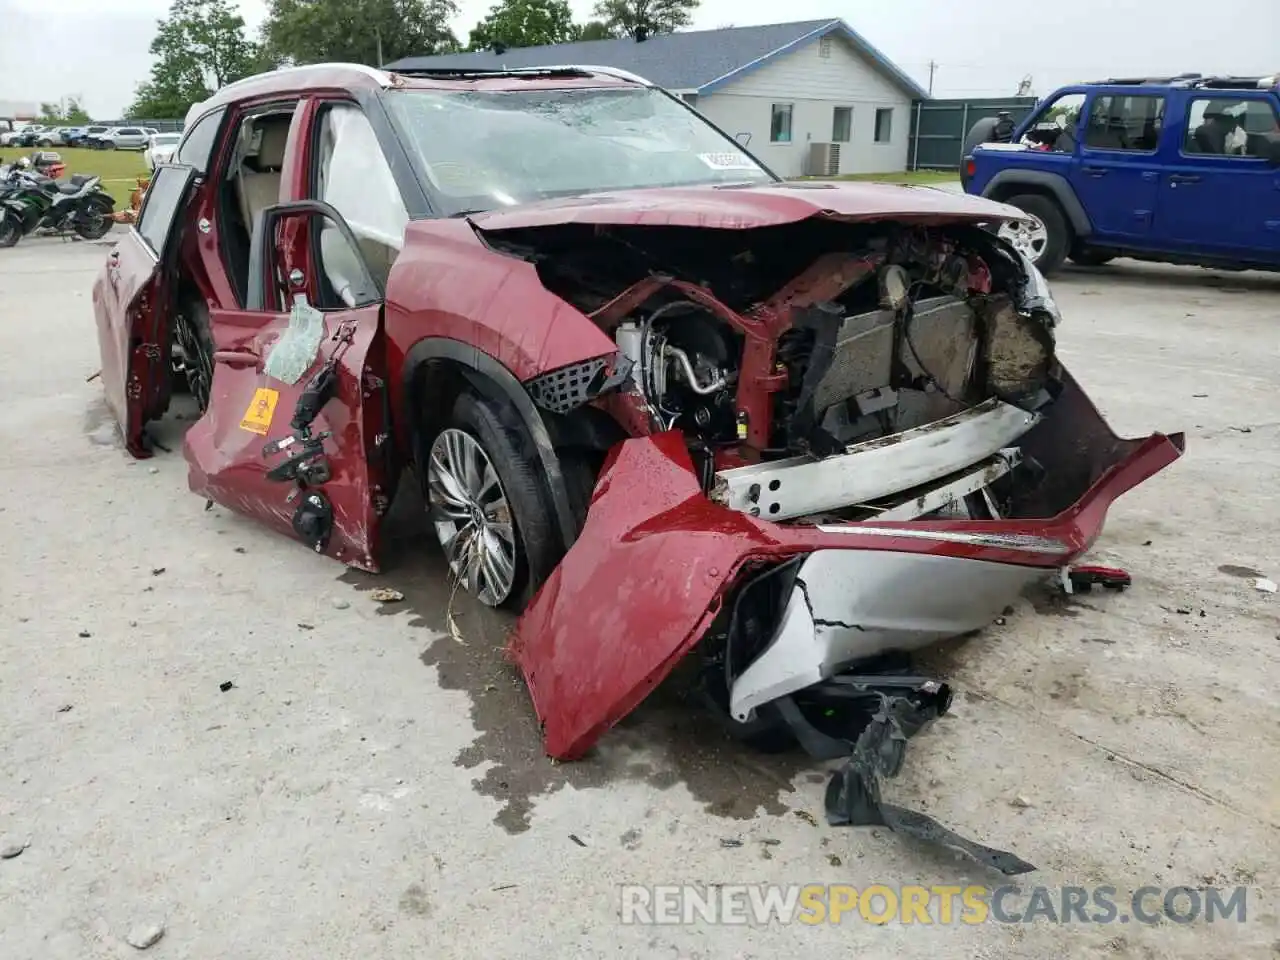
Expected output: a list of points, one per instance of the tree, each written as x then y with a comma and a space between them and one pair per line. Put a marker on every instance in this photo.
357, 31
65, 113
625, 17
525, 23
198, 48
595, 30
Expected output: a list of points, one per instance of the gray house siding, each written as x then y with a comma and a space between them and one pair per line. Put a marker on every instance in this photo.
815, 85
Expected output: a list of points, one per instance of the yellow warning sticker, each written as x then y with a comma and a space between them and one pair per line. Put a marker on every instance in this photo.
257, 419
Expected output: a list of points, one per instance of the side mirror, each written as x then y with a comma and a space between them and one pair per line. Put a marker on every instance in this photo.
743, 138
287, 234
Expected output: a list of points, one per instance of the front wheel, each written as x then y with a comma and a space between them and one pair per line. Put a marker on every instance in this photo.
487, 505
1045, 238
10, 231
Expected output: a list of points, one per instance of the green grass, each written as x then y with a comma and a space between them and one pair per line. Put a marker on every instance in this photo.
119, 169
901, 176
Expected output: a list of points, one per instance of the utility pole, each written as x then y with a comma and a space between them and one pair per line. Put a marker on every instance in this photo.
378, 36
932, 67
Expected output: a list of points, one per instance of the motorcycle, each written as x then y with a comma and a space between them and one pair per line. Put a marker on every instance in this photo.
32, 203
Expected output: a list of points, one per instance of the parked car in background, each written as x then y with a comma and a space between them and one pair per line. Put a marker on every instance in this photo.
128, 138
1176, 170
24, 136
160, 147
92, 136
68, 135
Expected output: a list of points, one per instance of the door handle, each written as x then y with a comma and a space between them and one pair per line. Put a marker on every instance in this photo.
236, 358
1095, 171
1183, 178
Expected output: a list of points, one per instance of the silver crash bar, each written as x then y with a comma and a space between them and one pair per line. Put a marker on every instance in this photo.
875, 469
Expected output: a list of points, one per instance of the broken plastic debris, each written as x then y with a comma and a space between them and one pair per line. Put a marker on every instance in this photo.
225, 686
385, 595
1263, 585
296, 349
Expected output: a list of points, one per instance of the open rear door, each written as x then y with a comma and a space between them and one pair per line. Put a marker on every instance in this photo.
296, 430
132, 306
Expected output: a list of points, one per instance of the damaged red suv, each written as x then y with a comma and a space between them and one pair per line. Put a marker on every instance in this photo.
657, 398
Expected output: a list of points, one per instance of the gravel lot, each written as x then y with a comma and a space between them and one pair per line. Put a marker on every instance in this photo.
372, 786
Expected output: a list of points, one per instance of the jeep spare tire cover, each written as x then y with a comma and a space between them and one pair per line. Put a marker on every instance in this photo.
981, 132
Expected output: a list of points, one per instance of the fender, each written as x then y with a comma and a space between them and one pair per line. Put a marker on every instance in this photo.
486, 373
1055, 183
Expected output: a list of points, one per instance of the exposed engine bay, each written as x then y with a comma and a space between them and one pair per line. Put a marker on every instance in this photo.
769, 365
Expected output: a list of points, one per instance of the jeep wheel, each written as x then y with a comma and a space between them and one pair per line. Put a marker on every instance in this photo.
1046, 239
486, 503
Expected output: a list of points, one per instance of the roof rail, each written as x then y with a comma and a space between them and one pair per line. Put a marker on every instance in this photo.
1195, 81
560, 70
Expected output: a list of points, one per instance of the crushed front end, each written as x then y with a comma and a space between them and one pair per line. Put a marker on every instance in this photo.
832, 460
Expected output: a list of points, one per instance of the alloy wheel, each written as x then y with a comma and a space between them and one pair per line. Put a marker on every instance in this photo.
1028, 237
472, 516
197, 363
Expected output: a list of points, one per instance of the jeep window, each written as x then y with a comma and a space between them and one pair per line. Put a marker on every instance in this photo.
482, 150
1230, 127
1054, 127
1124, 123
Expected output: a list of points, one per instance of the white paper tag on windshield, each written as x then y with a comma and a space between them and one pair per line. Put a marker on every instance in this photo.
730, 160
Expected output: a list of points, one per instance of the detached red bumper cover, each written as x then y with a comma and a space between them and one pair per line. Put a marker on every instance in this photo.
656, 559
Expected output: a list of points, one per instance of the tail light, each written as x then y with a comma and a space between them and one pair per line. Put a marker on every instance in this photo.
970, 168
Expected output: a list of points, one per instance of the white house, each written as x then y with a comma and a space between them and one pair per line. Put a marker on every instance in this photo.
782, 88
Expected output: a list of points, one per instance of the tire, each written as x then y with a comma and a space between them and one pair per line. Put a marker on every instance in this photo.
1047, 257
44, 143
94, 222
191, 333
1091, 258
10, 232
535, 540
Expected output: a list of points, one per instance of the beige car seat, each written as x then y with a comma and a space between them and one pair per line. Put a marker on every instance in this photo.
258, 179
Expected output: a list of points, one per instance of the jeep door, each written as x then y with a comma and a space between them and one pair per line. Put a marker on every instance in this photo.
1117, 173
1221, 194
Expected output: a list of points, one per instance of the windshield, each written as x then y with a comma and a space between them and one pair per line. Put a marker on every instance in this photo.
484, 150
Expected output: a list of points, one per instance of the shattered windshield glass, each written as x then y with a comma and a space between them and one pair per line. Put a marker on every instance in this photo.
491, 149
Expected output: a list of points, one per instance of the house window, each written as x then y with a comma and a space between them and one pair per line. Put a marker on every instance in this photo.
884, 124
780, 123
841, 124
824, 48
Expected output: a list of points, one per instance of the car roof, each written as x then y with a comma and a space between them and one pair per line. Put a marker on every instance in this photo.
354, 77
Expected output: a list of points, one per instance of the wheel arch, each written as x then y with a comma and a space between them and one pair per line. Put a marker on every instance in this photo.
436, 369
1009, 183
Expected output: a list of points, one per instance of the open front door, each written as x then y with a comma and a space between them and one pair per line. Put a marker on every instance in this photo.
295, 434
132, 306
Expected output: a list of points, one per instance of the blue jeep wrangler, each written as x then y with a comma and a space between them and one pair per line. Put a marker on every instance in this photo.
1178, 170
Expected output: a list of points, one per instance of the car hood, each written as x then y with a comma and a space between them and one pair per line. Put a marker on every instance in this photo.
738, 207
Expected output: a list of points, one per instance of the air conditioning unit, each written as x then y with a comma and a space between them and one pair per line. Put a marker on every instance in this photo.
824, 160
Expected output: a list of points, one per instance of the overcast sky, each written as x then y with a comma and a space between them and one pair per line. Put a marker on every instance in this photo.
98, 50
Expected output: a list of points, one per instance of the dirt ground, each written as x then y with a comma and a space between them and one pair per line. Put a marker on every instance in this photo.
372, 784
